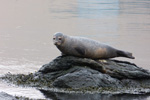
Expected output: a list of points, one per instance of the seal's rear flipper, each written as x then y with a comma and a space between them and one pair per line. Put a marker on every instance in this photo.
125, 54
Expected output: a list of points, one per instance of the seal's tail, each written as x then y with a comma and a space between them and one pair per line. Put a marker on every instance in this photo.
125, 54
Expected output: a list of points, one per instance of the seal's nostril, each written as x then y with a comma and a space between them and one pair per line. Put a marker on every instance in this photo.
55, 43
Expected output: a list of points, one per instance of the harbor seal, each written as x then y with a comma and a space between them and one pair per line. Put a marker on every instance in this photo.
86, 48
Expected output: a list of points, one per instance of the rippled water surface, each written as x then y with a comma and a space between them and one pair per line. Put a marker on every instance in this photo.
27, 26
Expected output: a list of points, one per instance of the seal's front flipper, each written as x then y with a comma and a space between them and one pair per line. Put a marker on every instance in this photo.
62, 54
80, 50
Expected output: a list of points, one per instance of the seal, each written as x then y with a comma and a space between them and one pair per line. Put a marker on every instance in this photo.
86, 48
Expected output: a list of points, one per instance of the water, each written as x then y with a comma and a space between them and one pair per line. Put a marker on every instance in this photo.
27, 26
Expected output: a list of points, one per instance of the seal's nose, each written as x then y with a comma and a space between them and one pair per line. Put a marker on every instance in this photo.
55, 43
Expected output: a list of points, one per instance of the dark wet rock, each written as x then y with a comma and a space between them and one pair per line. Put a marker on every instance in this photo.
114, 68
82, 74
67, 62
5, 96
125, 70
85, 77
74, 72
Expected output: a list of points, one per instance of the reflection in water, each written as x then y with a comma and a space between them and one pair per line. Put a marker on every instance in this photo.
135, 7
78, 96
93, 12
85, 9
98, 8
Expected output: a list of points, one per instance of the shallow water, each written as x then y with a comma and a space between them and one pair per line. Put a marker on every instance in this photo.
26, 29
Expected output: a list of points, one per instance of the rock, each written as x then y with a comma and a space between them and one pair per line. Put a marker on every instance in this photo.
66, 62
85, 77
114, 68
124, 70
74, 72
83, 74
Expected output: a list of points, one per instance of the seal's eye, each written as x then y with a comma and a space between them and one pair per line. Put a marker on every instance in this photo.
54, 38
59, 38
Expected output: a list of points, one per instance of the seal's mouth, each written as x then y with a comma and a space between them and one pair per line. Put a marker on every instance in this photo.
57, 43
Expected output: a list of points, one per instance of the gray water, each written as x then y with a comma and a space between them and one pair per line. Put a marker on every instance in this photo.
27, 27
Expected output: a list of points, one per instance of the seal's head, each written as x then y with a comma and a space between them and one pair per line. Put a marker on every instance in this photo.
58, 38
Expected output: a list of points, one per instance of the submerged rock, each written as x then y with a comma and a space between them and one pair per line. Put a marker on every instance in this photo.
5, 96
82, 74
